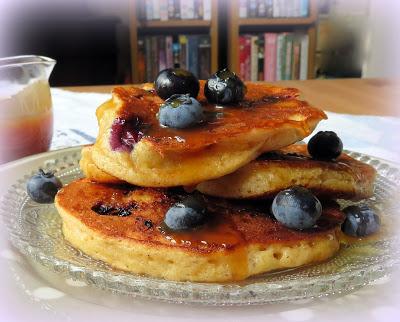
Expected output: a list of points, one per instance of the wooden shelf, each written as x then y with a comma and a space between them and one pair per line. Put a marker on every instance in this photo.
276, 21
266, 24
153, 24
138, 27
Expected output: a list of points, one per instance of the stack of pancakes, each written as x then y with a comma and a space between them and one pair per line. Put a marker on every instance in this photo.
237, 161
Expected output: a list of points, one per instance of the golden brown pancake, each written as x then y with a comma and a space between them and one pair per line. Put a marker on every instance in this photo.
268, 118
123, 226
272, 172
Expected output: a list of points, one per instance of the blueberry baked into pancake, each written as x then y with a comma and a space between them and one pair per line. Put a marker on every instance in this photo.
201, 181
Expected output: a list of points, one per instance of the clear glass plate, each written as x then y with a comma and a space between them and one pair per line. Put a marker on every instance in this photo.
35, 230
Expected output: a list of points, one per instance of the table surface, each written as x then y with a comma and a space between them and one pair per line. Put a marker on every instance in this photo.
372, 96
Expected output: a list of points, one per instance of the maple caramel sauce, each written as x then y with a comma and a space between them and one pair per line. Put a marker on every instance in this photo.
25, 136
226, 242
26, 120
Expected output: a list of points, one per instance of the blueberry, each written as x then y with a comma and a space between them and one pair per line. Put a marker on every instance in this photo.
224, 87
176, 81
43, 187
125, 134
187, 214
360, 221
296, 208
180, 111
325, 145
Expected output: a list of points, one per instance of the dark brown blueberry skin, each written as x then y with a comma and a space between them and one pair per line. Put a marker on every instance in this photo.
325, 145
224, 87
172, 81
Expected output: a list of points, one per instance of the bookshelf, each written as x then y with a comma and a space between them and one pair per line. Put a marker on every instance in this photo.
140, 27
236, 25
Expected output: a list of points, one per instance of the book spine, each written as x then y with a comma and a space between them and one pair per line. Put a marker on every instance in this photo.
171, 9
169, 53
261, 8
162, 60
204, 57
156, 9
207, 9
163, 10
304, 8
243, 9
247, 57
183, 54
252, 8
288, 57
260, 60
148, 62
184, 9
275, 8
270, 53
193, 58
176, 52
149, 10
304, 57
154, 57
242, 57
280, 56
269, 8
253, 58
141, 61
296, 61
190, 9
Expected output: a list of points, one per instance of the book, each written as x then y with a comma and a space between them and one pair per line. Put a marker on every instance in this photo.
155, 6
148, 61
171, 9
176, 52
184, 5
243, 9
149, 10
242, 57
163, 10
288, 56
197, 9
268, 8
296, 60
207, 9
304, 57
253, 58
169, 53
183, 53
252, 8
141, 61
190, 9
162, 53
260, 63
280, 56
304, 8
261, 8
204, 49
193, 54
270, 54
154, 58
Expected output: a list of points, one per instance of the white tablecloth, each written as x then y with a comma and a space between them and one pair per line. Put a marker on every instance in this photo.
31, 294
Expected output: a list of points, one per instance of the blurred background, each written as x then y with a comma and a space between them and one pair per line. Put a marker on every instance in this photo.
124, 41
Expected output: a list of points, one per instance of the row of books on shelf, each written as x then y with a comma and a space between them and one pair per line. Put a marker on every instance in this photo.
273, 56
273, 8
176, 10
191, 52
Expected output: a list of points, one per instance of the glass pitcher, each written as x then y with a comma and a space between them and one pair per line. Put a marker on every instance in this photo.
26, 115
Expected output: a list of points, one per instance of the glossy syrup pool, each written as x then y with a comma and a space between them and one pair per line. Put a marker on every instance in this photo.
36, 231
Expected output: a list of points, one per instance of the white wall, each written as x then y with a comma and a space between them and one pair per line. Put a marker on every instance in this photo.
382, 54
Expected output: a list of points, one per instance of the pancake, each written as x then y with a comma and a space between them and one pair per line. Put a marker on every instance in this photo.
122, 226
90, 169
269, 118
344, 178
